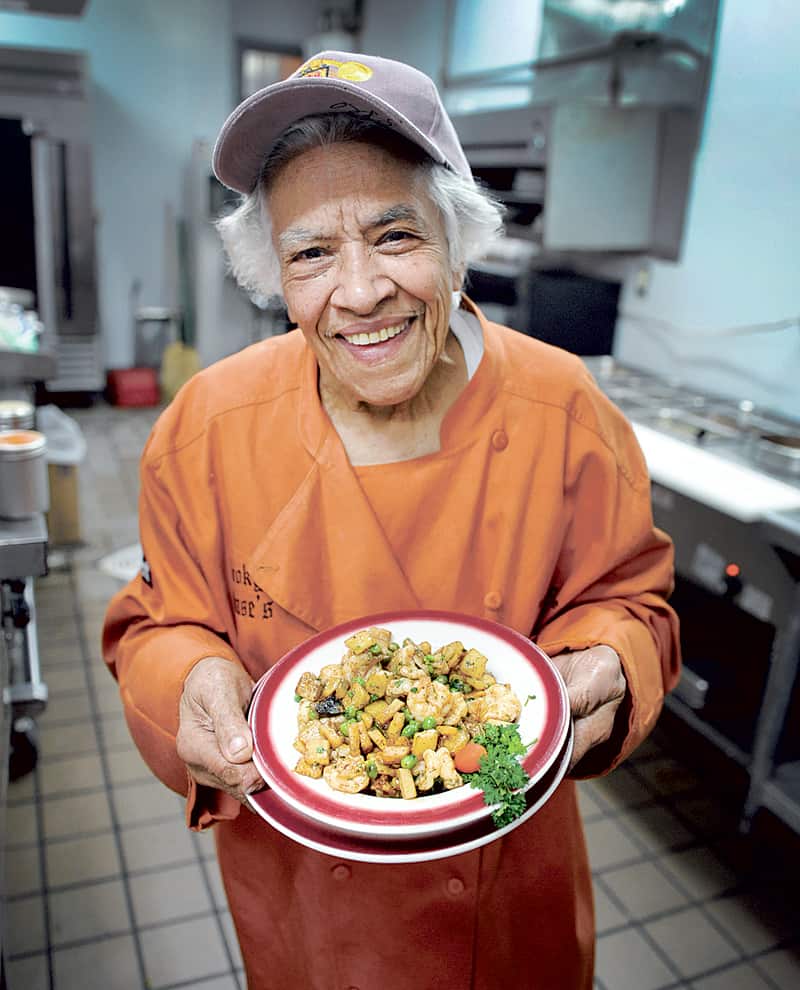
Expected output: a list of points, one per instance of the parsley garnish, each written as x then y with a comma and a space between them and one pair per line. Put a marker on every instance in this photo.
501, 776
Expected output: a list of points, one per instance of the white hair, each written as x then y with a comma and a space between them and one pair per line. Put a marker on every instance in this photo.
472, 218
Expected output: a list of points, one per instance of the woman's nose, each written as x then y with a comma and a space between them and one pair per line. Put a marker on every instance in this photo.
360, 285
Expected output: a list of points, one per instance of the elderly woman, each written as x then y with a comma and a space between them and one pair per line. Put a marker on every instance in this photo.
396, 451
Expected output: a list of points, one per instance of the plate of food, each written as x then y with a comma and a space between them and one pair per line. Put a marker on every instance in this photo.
362, 849
404, 725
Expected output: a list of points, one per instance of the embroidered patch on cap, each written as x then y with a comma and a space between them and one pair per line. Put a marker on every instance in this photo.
328, 68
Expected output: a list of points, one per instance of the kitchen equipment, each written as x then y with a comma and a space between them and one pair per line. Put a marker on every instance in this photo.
23, 474
16, 414
512, 659
726, 487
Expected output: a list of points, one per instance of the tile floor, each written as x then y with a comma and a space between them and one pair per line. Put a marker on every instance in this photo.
106, 890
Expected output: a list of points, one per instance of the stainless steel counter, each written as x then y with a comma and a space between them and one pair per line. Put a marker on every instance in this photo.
23, 547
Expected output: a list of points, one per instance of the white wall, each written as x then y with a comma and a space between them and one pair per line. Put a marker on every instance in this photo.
162, 79
413, 31
161, 75
741, 258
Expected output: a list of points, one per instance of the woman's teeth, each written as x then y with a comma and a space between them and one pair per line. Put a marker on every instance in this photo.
376, 336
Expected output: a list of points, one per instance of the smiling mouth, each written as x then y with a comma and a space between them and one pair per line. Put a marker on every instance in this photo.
376, 336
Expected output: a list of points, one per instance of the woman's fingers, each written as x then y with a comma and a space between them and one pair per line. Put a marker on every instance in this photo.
214, 740
595, 687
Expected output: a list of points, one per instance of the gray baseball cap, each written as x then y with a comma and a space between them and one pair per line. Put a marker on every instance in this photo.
379, 89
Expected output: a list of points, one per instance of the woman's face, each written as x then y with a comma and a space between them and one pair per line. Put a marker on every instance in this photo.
364, 267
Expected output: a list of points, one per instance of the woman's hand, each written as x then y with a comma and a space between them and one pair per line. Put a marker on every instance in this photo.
596, 687
214, 739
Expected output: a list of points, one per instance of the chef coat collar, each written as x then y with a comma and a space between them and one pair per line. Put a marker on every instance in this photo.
325, 559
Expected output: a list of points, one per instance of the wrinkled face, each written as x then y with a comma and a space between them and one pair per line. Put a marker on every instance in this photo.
364, 267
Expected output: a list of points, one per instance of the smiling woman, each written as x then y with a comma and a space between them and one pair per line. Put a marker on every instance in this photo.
396, 452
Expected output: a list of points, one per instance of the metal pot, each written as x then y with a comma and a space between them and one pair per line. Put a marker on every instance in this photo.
24, 489
16, 414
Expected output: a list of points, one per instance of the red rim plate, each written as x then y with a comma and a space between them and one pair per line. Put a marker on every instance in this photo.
268, 805
512, 658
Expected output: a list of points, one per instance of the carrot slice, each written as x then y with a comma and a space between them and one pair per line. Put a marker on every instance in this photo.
468, 758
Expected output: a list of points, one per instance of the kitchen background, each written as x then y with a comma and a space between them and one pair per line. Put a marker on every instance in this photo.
650, 165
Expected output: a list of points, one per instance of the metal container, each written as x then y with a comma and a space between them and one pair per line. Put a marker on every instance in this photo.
24, 489
16, 414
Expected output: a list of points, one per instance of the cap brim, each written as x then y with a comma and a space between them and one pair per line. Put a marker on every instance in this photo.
251, 130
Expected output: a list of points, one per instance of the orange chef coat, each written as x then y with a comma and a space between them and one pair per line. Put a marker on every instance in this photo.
258, 532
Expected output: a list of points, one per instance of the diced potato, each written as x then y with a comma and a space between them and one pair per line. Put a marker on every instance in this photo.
447, 730
361, 641
428, 739
396, 725
354, 739
359, 695
473, 664
389, 712
367, 745
330, 733
453, 653
366, 719
376, 682
376, 708
394, 753
308, 769
378, 738
309, 686
408, 789
454, 742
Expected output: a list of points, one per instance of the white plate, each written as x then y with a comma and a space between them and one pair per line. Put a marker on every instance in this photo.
512, 659
314, 836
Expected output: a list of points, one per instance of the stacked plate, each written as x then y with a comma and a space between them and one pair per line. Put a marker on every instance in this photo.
385, 830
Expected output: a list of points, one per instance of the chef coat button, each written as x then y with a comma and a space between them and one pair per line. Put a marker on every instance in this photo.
493, 600
341, 872
499, 439
455, 886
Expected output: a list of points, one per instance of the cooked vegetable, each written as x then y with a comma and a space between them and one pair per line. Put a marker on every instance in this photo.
468, 758
399, 721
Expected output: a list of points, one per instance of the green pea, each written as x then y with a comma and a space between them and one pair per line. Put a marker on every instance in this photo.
376, 649
298, 697
410, 729
312, 714
350, 712
344, 728
429, 658
374, 697
441, 679
409, 761
394, 646
361, 681
429, 722
372, 770
414, 690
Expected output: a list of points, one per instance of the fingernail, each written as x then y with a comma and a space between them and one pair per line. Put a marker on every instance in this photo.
237, 745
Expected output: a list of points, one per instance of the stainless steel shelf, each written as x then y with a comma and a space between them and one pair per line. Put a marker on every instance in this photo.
19, 366
23, 547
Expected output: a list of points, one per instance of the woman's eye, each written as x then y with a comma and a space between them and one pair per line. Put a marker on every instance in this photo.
309, 254
395, 236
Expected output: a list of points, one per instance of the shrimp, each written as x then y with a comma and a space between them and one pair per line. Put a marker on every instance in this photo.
432, 699
347, 774
498, 703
